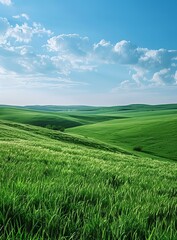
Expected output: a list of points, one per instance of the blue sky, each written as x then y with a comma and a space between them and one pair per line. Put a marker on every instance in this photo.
88, 52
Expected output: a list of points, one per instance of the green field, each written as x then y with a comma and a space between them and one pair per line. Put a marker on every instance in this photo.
152, 132
88, 183
46, 118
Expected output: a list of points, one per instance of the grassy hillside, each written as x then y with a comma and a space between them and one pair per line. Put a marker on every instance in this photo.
150, 132
56, 120
56, 186
149, 129
37, 118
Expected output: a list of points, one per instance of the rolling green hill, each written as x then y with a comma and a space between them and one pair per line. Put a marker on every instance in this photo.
50, 119
153, 132
37, 118
149, 129
57, 186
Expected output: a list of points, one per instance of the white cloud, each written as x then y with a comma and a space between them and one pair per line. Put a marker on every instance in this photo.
18, 54
40, 30
71, 52
4, 25
20, 33
126, 52
161, 77
157, 59
142, 62
24, 32
126, 85
23, 15
146, 64
140, 75
103, 52
13, 80
69, 43
102, 43
22, 51
6, 2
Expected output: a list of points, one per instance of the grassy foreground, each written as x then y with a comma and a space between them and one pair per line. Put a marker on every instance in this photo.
51, 188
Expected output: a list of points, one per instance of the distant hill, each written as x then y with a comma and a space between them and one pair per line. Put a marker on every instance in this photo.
98, 109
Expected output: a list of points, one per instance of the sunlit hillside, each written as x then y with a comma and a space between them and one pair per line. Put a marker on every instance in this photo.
56, 186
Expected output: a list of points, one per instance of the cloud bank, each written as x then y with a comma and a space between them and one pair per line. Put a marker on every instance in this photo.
146, 66
30, 51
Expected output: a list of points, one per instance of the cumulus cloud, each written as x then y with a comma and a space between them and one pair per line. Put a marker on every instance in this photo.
161, 77
59, 56
159, 65
140, 75
6, 2
18, 54
126, 52
21, 33
103, 52
102, 43
70, 52
148, 66
24, 32
157, 59
70, 44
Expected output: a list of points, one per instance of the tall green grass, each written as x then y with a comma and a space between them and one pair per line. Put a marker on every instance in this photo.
55, 189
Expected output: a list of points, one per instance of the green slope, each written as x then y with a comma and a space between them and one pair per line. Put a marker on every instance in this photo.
31, 131
144, 127
56, 187
153, 132
37, 118
50, 119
